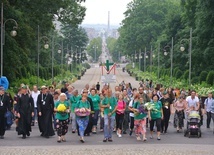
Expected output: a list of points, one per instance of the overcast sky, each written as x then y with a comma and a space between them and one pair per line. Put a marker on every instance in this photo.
97, 11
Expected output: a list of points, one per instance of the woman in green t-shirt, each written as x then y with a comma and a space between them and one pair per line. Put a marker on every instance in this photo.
82, 111
62, 109
155, 115
96, 104
139, 117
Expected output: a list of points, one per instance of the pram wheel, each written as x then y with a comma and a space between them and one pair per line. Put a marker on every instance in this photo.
189, 134
199, 134
185, 133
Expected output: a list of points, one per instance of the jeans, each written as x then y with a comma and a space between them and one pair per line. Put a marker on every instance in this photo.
95, 118
212, 116
82, 123
208, 119
108, 126
126, 120
35, 115
73, 121
131, 123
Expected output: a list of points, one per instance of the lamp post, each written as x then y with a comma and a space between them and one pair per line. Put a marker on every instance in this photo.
13, 33
52, 61
95, 47
158, 60
140, 57
190, 53
46, 46
171, 58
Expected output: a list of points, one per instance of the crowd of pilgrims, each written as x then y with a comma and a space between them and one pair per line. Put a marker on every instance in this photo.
116, 109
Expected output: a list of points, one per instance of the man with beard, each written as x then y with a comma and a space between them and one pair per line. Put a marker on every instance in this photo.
25, 112
45, 105
4, 107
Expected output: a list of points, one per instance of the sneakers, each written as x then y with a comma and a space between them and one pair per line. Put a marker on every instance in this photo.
105, 140
151, 137
158, 138
138, 138
145, 139
119, 135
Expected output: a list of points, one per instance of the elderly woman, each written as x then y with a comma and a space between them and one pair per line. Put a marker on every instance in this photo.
140, 117
179, 106
82, 111
155, 116
62, 117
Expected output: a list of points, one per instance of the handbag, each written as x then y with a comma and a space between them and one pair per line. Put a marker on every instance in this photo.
9, 118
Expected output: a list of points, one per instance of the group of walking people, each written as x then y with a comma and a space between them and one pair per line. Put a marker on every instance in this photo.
125, 110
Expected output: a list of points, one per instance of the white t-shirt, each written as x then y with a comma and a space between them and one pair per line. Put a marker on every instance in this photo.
35, 96
192, 102
130, 105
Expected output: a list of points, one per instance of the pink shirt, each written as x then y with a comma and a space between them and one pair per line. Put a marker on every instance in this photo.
180, 105
120, 106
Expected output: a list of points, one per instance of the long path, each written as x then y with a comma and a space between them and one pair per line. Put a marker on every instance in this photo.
171, 143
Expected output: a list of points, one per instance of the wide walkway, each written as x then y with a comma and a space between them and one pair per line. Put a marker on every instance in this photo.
172, 143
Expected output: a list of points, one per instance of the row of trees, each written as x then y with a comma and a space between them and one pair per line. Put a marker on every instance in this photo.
20, 53
152, 23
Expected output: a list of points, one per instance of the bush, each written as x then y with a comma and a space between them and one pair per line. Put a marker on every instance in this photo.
210, 78
195, 80
178, 74
203, 76
186, 74
175, 70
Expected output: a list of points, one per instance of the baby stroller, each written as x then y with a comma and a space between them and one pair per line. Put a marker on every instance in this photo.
193, 124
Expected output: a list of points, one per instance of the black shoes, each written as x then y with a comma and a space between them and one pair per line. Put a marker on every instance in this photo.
24, 137
124, 132
1, 137
130, 133
110, 140
105, 140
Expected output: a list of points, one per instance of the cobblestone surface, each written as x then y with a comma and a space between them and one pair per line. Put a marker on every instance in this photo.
111, 150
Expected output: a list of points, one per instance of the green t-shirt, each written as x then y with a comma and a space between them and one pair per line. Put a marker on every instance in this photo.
96, 101
74, 100
81, 104
112, 101
156, 112
62, 115
139, 116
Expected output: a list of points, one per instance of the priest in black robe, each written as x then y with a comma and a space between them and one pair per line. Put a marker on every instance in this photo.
4, 107
45, 105
25, 112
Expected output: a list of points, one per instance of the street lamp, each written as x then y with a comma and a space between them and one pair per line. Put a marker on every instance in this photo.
13, 33
171, 58
140, 57
95, 47
46, 46
59, 51
182, 48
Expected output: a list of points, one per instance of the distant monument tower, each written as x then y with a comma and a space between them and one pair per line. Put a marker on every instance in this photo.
108, 31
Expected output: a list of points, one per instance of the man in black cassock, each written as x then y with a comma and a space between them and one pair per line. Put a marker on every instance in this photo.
25, 112
4, 107
45, 105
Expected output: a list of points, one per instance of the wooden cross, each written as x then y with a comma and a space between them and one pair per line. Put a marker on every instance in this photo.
108, 64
